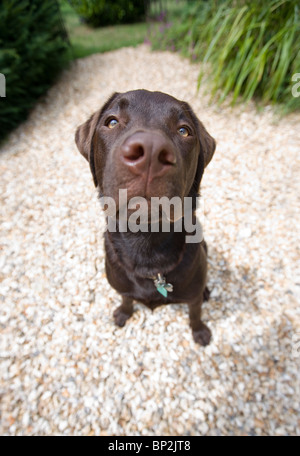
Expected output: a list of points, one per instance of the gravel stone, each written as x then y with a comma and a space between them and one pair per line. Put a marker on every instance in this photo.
66, 369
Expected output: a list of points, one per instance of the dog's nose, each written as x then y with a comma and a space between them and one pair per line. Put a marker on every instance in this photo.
148, 152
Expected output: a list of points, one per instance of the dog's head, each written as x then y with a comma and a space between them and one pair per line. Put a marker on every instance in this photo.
148, 143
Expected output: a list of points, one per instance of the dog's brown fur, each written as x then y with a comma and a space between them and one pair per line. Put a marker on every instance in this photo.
144, 152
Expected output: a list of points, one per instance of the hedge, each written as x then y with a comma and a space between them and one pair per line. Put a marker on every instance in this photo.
33, 50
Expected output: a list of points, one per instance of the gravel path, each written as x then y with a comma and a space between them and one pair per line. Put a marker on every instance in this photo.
65, 367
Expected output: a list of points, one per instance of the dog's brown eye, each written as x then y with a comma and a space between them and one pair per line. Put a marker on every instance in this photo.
183, 131
112, 123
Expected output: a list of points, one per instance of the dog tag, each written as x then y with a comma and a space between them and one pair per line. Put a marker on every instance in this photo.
161, 285
169, 287
162, 290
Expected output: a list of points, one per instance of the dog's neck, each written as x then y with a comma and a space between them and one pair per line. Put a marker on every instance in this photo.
148, 253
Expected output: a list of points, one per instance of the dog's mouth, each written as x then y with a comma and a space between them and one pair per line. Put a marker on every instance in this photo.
144, 201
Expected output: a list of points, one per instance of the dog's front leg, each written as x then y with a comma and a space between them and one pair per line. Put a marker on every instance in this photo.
124, 311
201, 333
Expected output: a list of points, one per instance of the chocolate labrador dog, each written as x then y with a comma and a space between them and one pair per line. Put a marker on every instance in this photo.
150, 145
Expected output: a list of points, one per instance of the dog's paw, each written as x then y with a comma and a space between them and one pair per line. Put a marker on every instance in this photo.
202, 336
120, 317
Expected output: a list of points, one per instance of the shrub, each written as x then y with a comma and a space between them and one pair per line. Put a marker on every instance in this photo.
253, 47
105, 12
33, 45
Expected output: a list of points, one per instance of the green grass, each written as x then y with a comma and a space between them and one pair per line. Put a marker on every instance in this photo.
86, 40
252, 47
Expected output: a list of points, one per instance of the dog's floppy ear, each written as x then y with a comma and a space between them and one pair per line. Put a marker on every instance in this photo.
207, 149
207, 143
84, 141
84, 136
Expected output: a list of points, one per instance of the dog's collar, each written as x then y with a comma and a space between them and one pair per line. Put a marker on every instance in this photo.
161, 285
